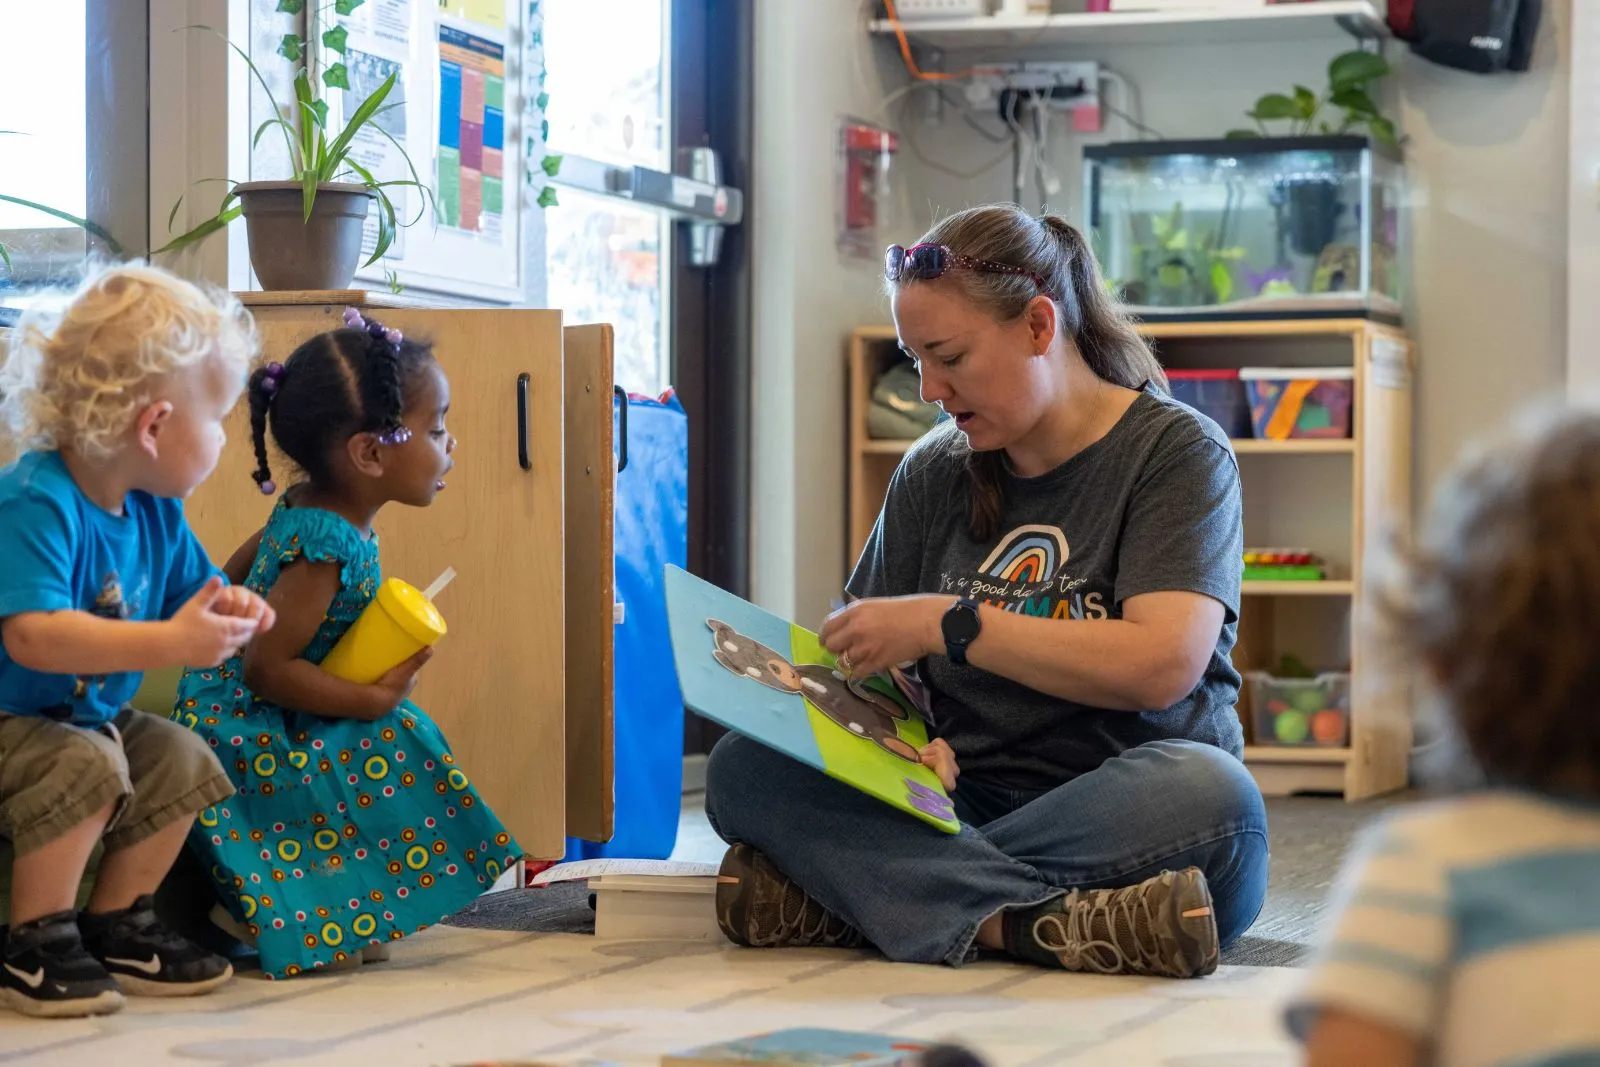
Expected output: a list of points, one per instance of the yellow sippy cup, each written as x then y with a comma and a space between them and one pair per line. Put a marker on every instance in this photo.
400, 622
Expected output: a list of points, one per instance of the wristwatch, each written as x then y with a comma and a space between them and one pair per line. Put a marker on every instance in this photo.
960, 627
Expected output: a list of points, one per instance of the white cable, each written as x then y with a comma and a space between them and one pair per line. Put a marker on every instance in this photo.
1132, 102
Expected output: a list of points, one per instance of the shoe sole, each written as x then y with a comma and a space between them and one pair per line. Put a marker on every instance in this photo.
733, 880
1192, 902
135, 986
103, 1004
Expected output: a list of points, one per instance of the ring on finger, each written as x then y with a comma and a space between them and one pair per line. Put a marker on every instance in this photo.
844, 662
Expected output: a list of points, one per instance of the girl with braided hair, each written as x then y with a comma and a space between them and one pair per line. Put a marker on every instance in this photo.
353, 825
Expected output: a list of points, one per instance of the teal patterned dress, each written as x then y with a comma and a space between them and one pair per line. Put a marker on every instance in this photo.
342, 833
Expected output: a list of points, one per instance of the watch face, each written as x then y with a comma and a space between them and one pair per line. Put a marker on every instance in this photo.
960, 625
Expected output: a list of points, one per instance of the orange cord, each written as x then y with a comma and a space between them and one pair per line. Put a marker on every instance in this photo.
911, 62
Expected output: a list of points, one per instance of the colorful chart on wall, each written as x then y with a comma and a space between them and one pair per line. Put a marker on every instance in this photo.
459, 124
472, 133
772, 681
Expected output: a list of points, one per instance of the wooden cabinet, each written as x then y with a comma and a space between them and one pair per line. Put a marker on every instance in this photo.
521, 685
1340, 498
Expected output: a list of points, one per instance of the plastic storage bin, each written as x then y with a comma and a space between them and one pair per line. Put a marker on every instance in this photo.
1295, 402
1219, 395
1270, 227
1301, 712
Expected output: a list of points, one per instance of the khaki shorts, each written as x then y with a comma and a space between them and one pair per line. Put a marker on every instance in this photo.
53, 776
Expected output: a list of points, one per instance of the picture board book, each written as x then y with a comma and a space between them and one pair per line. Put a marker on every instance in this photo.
772, 681
812, 1048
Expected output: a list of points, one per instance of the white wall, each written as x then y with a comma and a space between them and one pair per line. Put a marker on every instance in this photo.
814, 65
1583, 206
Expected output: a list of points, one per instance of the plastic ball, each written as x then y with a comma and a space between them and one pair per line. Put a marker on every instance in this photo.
1309, 700
1292, 727
1277, 707
1327, 727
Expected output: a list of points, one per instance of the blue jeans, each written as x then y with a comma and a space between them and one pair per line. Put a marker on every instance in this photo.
920, 895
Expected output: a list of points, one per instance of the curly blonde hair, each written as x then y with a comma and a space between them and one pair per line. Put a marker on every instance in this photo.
76, 375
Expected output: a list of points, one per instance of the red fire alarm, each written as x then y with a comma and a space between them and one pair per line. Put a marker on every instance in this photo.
866, 152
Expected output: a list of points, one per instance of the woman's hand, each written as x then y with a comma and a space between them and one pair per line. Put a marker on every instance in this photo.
870, 636
941, 760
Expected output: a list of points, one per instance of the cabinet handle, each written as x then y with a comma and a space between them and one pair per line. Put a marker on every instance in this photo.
522, 422
622, 444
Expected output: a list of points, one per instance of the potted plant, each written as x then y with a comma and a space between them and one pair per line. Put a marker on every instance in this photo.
305, 231
1344, 107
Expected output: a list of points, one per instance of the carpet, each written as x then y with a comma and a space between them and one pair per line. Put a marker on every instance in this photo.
1309, 837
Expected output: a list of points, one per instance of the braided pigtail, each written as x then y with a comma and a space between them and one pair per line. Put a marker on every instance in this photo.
381, 386
263, 388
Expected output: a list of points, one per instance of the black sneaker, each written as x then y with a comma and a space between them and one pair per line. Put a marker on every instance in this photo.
146, 958
758, 906
45, 971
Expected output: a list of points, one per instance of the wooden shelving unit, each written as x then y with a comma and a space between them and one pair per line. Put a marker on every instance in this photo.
1338, 497
1279, 22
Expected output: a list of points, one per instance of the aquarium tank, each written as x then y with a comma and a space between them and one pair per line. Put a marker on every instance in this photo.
1274, 227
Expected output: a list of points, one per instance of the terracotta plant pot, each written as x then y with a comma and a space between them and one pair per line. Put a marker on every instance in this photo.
290, 252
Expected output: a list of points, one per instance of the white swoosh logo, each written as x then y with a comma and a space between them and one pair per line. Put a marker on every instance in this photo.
34, 980
150, 966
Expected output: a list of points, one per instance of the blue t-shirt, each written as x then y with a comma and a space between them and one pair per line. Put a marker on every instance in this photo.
59, 551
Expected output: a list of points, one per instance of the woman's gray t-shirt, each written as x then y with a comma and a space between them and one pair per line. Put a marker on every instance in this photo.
1153, 506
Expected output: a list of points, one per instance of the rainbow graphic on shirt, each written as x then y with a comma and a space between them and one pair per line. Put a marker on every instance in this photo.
1027, 554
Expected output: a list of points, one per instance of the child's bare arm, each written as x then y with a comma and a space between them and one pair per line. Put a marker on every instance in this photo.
244, 557
76, 642
1340, 1038
276, 672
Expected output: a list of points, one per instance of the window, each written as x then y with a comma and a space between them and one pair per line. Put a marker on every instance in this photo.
606, 261
42, 154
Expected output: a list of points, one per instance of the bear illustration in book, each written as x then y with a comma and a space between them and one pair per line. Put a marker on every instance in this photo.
855, 708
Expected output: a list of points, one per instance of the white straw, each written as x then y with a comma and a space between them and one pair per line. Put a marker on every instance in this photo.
439, 583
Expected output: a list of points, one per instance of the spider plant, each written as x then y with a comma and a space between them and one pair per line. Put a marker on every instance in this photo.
317, 155
82, 224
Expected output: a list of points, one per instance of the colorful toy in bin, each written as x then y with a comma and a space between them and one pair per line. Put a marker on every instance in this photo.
399, 622
1290, 402
1301, 711
1282, 565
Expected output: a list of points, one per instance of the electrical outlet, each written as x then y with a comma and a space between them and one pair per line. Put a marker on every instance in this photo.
1073, 87
947, 9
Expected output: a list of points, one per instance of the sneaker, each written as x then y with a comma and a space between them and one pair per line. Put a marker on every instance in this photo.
758, 906
46, 972
1163, 927
146, 958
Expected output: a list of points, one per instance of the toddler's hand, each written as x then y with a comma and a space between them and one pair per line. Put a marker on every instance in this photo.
395, 686
241, 603
204, 636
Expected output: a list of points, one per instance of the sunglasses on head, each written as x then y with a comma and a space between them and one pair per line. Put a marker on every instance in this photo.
926, 262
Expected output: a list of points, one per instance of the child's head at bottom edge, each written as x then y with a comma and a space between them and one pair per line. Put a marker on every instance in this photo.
1497, 604
361, 412
138, 370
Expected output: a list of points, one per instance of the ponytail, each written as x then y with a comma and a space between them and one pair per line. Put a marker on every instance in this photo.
1104, 334
1091, 319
